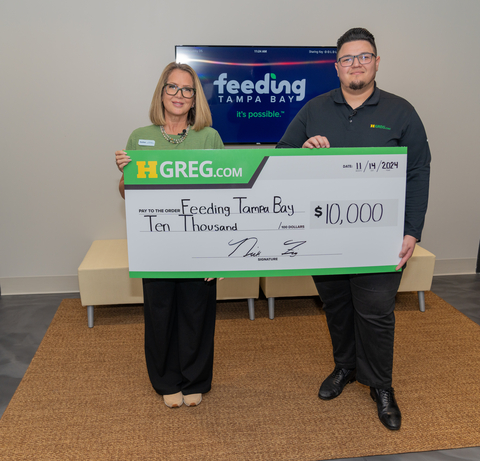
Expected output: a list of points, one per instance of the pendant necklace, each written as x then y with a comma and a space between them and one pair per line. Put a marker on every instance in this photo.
173, 140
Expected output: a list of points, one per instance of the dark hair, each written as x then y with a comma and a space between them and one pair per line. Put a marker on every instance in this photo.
357, 33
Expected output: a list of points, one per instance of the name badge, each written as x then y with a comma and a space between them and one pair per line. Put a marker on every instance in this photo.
146, 142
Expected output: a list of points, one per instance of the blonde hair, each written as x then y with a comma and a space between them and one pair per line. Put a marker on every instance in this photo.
199, 116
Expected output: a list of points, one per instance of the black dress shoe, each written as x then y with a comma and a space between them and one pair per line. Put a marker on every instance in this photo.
388, 410
333, 386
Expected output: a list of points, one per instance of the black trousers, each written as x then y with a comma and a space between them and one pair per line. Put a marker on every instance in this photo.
179, 334
361, 320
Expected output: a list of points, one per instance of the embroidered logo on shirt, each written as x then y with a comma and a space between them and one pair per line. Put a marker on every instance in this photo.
146, 142
380, 127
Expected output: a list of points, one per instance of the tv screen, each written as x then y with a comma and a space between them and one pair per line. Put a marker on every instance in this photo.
255, 91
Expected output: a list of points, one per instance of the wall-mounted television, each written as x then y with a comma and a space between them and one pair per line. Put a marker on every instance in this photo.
255, 91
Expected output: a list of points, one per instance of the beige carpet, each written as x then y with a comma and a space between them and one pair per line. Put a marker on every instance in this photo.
86, 394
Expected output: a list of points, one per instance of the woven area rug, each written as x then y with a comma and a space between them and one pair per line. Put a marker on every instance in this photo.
86, 394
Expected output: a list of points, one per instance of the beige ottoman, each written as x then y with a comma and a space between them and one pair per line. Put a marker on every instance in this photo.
416, 277
104, 280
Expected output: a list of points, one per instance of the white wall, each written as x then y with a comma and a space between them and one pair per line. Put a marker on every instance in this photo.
77, 78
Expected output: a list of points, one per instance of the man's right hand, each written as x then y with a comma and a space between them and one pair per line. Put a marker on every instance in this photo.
316, 142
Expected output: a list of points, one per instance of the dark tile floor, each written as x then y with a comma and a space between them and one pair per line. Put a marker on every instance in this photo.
24, 319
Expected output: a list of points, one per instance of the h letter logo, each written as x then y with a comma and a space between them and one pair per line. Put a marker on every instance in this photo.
151, 170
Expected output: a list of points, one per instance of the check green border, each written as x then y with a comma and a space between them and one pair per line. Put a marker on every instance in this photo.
264, 273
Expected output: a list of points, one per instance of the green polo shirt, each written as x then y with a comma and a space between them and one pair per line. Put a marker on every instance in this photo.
151, 138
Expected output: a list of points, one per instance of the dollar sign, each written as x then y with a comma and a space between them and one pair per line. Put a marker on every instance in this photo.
318, 211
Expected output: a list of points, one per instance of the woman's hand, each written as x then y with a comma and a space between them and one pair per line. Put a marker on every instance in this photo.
122, 159
210, 279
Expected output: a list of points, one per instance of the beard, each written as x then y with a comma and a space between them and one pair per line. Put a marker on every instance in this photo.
356, 85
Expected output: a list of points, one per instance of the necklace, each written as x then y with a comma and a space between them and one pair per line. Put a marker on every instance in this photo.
173, 140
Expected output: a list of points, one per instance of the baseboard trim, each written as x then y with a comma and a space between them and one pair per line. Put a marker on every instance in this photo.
69, 283
39, 285
455, 266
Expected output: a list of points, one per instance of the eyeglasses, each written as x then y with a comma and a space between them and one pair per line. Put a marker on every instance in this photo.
172, 90
364, 58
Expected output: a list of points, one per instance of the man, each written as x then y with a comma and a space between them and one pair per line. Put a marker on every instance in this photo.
360, 307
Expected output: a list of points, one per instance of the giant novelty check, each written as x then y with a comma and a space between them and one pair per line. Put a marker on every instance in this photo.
264, 212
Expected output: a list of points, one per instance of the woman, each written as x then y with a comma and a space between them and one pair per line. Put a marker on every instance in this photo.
179, 313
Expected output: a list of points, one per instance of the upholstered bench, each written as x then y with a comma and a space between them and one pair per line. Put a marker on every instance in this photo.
104, 280
416, 277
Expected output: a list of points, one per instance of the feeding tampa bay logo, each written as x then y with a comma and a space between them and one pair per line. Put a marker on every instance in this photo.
267, 89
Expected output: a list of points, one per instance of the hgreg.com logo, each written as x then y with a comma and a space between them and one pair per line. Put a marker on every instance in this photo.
230, 91
185, 169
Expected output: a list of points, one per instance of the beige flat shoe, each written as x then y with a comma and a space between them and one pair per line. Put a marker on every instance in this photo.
173, 400
192, 400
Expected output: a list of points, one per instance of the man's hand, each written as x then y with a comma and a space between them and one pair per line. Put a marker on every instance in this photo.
316, 142
408, 246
